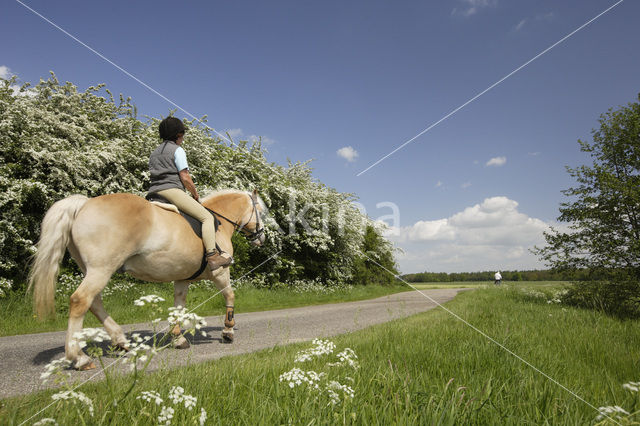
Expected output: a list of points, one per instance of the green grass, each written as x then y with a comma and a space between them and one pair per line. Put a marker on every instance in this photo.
16, 314
427, 369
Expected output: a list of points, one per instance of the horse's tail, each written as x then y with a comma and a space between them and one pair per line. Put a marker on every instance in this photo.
54, 237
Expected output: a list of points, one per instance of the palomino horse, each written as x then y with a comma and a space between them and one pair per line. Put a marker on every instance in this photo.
126, 232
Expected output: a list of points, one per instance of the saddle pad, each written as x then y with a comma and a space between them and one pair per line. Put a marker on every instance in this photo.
192, 221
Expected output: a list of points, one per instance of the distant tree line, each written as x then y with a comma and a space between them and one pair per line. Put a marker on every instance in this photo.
530, 275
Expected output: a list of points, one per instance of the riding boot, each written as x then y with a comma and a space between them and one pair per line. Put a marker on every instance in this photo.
217, 259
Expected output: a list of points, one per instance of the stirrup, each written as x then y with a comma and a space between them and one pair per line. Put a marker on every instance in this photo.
216, 259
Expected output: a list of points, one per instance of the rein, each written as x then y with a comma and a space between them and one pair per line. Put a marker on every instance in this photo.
251, 236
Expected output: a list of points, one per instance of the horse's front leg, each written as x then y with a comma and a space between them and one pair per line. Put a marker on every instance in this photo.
180, 289
223, 282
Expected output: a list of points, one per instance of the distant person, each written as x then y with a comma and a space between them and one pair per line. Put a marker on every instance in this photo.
498, 278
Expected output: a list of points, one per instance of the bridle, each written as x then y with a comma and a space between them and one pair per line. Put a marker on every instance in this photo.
249, 235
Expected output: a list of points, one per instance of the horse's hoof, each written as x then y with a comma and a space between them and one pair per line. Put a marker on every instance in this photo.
181, 343
89, 366
121, 347
227, 337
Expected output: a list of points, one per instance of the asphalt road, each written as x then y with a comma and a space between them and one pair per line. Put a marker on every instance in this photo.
22, 358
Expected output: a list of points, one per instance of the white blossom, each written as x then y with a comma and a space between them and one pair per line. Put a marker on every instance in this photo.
150, 298
150, 396
74, 396
166, 414
321, 347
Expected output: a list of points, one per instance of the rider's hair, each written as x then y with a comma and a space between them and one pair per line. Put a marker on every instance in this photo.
170, 128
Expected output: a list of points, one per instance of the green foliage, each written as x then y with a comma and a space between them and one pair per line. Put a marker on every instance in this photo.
378, 266
56, 141
530, 275
603, 216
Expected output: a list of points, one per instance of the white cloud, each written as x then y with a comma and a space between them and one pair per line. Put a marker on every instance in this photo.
465, 185
533, 154
438, 184
235, 133
239, 134
471, 7
486, 236
5, 72
496, 162
348, 153
265, 140
520, 24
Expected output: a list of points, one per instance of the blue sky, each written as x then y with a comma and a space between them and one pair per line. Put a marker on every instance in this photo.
313, 78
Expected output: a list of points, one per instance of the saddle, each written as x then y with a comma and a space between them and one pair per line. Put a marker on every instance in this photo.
195, 224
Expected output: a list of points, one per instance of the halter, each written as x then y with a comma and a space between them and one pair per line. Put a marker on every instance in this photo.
249, 235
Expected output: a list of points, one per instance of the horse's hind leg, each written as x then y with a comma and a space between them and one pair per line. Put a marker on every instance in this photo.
223, 283
180, 289
79, 303
115, 331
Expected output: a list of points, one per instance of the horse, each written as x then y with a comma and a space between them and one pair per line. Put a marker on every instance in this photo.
125, 232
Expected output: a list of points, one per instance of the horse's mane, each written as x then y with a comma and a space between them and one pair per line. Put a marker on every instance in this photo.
222, 192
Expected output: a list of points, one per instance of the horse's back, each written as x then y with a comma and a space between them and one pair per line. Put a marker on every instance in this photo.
112, 227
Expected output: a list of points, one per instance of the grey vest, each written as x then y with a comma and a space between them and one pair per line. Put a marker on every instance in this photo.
164, 173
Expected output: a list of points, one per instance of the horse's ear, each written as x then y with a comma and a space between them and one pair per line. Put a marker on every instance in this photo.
255, 194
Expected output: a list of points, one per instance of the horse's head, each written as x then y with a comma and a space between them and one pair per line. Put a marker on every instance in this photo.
252, 226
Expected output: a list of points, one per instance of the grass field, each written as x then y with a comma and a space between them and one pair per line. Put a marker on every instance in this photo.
430, 368
16, 314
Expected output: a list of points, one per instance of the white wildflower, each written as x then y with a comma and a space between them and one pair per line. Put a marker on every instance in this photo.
296, 377
177, 396
45, 421
150, 396
346, 358
149, 298
334, 387
54, 367
611, 411
74, 396
188, 320
321, 347
632, 386
90, 335
203, 416
166, 415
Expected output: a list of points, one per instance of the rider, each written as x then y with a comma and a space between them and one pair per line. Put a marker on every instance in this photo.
169, 178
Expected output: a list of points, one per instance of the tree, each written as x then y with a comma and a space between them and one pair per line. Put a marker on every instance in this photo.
56, 140
603, 210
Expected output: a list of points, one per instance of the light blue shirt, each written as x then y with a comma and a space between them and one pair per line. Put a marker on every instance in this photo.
180, 158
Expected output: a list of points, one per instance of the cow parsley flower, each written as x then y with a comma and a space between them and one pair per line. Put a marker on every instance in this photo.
346, 358
334, 387
165, 416
321, 347
74, 396
611, 411
150, 298
151, 396
203, 416
177, 396
188, 320
45, 421
54, 367
297, 377
90, 335
632, 386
